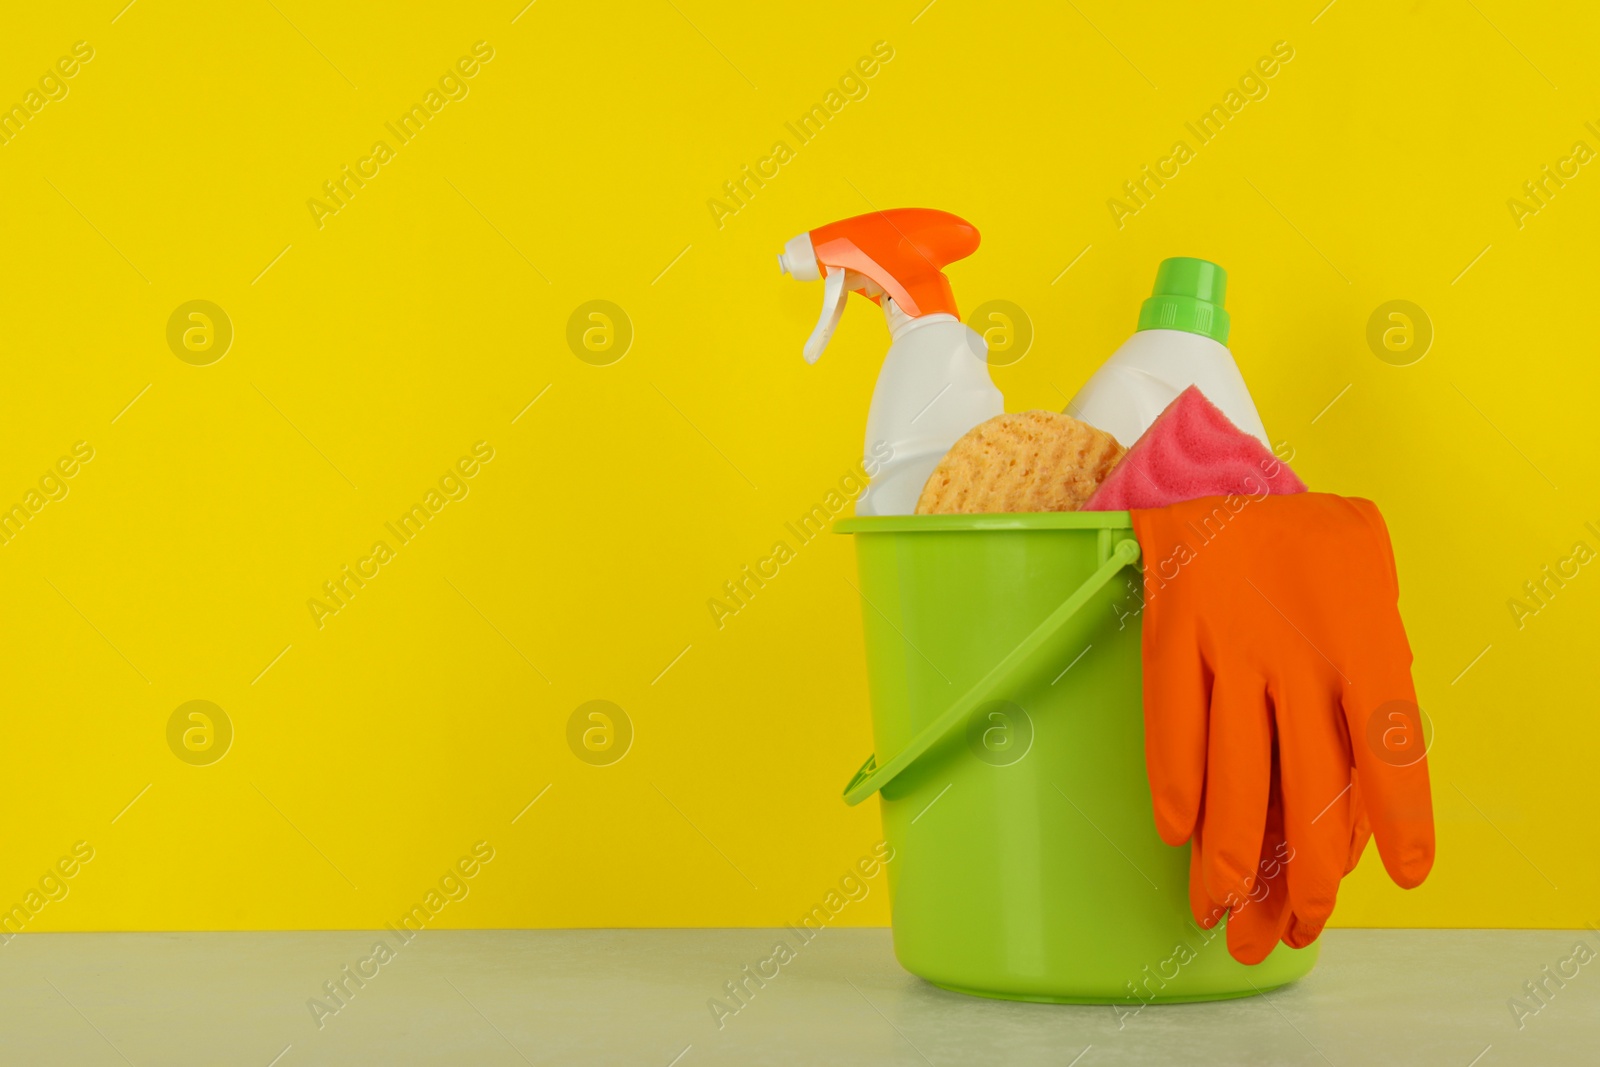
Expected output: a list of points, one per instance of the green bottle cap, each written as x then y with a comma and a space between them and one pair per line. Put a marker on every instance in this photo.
1188, 296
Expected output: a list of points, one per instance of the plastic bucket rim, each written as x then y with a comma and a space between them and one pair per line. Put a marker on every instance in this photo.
1014, 520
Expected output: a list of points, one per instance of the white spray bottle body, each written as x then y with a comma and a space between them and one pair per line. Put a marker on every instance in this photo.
933, 388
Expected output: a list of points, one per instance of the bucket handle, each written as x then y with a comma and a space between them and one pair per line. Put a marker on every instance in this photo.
872, 777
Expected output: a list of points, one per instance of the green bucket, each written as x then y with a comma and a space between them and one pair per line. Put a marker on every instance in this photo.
1003, 664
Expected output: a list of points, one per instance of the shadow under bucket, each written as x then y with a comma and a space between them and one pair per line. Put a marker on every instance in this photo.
1004, 671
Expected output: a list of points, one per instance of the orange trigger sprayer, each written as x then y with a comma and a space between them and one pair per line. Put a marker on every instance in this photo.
934, 385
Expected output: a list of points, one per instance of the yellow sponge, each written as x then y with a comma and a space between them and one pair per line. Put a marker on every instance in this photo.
1020, 461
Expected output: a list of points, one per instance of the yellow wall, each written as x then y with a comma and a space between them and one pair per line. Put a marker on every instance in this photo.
377, 346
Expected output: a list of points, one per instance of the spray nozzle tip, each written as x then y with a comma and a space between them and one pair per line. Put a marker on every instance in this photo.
799, 259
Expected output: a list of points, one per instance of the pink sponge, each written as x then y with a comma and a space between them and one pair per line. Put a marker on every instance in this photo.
1190, 451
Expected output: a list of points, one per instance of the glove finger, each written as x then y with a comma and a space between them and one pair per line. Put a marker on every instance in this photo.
1301, 934
1383, 719
1385, 732
1239, 777
1315, 772
1207, 912
1298, 933
1361, 826
1176, 694
1257, 925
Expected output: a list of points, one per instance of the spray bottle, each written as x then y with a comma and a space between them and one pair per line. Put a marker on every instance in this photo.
934, 385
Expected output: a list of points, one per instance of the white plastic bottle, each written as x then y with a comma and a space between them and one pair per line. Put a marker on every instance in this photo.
935, 384
933, 388
1181, 341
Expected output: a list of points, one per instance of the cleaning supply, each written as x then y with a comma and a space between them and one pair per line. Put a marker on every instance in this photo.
934, 385
1003, 666
1262, 917
1020, 461
1274, 651
1259, 916
1192, 450
1183, 331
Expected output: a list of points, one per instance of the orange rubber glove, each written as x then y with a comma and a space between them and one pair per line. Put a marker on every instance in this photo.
1277, 677
1258, 920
